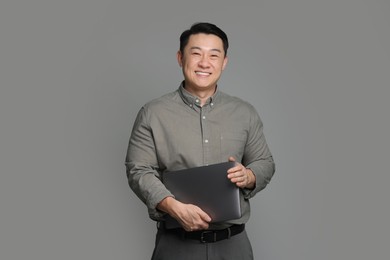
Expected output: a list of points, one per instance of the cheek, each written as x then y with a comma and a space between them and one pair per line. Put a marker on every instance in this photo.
218, 65
190, 65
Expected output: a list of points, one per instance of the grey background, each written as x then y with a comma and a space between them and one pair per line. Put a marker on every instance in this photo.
74, 73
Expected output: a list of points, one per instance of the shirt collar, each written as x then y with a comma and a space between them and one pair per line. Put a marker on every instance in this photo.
192, 100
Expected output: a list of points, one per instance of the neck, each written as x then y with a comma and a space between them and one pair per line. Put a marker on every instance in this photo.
202, 94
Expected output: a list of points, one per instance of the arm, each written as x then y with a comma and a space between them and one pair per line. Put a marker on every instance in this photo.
145, 180
257, 159
142, 166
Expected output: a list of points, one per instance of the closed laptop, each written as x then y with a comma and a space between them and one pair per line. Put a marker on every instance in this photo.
206, 187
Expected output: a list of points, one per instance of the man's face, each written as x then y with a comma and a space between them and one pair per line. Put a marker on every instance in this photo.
202, 62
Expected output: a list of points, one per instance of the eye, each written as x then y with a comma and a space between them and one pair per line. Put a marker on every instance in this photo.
214, 56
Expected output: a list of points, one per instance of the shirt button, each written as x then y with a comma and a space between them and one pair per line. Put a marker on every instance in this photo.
203, 117
197, 100
206, 141
211, 104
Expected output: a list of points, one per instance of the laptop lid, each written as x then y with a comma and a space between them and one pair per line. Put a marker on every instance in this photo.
206, 187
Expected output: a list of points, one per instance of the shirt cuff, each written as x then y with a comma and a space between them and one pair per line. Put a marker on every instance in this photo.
261, 182
154, 213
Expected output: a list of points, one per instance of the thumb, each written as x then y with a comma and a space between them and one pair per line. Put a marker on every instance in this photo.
232, 159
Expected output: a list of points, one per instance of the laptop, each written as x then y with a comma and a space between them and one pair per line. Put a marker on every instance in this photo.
206, 187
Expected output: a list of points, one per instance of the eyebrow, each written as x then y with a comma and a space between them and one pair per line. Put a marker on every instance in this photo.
198, 48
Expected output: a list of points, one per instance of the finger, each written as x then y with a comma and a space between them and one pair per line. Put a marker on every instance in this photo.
235, 180
236, 169
236, 172
240, 184
240, 179
187, 228
204, 216
232, 159
234, 176
199, 222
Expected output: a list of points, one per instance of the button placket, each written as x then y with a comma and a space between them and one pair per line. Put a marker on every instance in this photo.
205, 135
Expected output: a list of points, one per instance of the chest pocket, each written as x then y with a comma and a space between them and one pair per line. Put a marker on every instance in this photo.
233, 144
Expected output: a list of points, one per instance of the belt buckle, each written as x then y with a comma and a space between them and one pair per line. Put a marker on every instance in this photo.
202, 238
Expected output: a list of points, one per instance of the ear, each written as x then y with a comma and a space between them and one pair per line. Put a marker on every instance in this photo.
225, 61
179, 57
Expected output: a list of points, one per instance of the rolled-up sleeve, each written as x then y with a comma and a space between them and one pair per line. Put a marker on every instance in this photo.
142, 166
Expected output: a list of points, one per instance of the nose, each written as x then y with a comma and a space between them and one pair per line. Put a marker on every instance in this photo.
204, 62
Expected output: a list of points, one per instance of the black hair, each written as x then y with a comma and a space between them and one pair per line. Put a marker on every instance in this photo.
206, 28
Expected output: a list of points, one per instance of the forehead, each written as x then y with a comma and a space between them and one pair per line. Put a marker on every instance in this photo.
205, 42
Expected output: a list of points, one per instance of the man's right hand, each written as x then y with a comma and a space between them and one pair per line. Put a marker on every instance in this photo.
190, 217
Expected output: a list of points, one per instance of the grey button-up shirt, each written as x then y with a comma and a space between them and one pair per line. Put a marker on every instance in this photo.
174, 132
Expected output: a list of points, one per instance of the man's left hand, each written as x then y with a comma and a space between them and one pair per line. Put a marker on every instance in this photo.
241, 176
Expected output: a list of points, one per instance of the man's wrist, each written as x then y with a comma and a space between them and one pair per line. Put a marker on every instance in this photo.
165, 204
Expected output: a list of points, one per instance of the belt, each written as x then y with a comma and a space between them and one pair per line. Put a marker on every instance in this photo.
209, 236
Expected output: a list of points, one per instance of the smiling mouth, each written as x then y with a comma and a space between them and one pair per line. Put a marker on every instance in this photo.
201, 73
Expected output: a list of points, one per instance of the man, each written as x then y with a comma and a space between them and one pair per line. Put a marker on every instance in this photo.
193, 126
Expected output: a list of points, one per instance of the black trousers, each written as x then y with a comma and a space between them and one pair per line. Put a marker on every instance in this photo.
171, 246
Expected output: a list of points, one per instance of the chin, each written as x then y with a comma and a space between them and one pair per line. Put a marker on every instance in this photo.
205, 87
205, 84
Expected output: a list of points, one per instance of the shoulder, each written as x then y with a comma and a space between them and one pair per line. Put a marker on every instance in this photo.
160, 106
237, 102
161, 102
241, 109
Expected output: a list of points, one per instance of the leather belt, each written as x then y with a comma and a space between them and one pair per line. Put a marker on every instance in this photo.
209, 236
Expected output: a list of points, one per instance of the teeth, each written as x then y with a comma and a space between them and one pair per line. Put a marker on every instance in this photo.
202, 73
